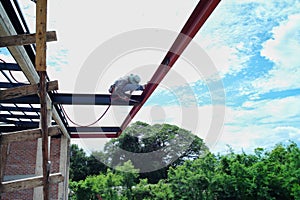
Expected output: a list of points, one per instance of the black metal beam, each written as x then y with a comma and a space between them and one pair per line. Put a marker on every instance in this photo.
76, 99
93, 129
5, 129
93, 132
20, 123
19, 116
90, 99
10, 85
23, 123
32, 99
19, 109
10, 66
93, 135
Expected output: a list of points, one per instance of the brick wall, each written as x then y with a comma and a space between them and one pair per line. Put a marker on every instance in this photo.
21, 158
21, 163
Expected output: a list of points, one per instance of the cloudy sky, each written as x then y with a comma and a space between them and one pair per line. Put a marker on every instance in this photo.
250, 47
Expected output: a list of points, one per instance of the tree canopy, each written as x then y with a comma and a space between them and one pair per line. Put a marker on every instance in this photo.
153, 149
265, 174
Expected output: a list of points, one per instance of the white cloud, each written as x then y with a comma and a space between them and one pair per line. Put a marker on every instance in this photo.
247, 138
235, 30
283, 49
292, 132
260, 124
240, 138
265, 111
226, 58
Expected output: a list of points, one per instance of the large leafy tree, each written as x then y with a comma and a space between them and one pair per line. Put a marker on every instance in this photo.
155, 147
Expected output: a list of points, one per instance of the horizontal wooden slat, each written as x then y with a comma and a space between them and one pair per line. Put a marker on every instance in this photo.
25, 90
25, 39
27, 135
27, 183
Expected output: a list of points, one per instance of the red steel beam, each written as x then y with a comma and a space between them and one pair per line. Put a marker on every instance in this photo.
198, 17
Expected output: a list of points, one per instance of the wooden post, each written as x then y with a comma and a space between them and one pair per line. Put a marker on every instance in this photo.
44, 128
40, 64
41, 28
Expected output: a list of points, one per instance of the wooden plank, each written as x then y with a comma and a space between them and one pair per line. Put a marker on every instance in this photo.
27, 135
25, 90
27, 183
24, 39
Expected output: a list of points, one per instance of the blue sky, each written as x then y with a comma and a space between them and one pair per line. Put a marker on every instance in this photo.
253, 44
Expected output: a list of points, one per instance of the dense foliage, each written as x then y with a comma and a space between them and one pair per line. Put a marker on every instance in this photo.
273, 174
165, 145
82, 165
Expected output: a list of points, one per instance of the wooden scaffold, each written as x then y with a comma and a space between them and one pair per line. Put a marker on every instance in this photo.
40, 86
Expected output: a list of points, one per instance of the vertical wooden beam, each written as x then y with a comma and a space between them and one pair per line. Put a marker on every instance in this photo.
44, 128
40, 64
38, 191
41, 28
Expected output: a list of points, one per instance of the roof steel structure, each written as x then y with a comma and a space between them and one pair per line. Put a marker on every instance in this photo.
24, 112
18, 116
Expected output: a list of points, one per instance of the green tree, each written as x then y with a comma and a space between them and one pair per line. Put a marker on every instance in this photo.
192, 179
82, 165
78, 164
95, 163
264, 175
167, 145
146, 191
106, 186
129, 174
